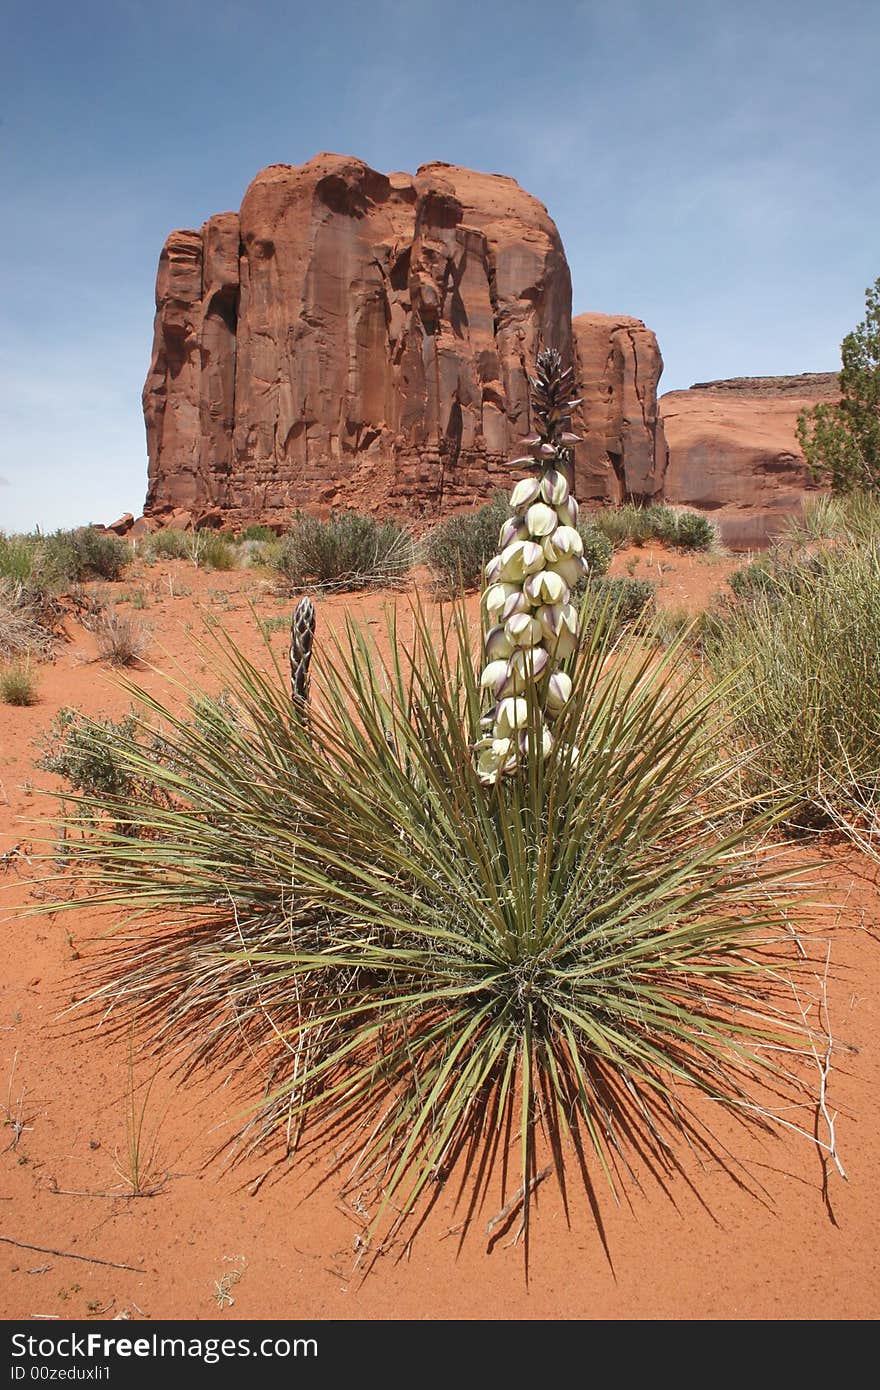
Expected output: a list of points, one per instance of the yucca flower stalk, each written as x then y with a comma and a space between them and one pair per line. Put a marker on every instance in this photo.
302, 636
527, 602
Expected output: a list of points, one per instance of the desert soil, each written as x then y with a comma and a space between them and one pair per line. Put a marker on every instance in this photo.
790, 1240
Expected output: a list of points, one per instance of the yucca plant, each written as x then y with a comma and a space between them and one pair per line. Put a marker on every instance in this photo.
424, 971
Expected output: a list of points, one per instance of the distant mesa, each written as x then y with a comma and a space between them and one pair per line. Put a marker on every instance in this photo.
357, 339
733, 451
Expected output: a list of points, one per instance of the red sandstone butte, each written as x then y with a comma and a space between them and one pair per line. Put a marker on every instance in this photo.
619, 366
350, 339
733, 451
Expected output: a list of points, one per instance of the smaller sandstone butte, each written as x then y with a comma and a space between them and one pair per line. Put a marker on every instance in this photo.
733, 451
350, 338
619, 366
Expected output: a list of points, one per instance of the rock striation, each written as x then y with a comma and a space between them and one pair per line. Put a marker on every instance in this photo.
351, 338
733, 451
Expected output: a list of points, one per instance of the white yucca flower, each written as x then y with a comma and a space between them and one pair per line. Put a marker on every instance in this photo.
533, 625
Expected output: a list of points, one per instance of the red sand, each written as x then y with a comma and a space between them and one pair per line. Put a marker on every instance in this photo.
704, 1247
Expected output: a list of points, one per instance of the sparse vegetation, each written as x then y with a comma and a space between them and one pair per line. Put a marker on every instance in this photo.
459, 547
348, 551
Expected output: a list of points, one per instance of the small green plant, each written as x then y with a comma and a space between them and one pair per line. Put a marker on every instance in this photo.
137, 1164
347, 551
256, 533
169, 544
693, 531
18, 684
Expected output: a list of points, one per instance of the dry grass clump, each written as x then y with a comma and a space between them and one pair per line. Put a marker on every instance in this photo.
122, 640
347, 551
18, 684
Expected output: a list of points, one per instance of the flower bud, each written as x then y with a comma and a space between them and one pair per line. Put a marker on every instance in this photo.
496, 596
541, 519
571, 569
512, 714
492, 571
568, 512
565, 540
554, 488
498, 645
528, 663
512, 530
558, 692
525, 492
546, 741
496, 755
493, 675
519, 559
517, 602
546, 587
523, 630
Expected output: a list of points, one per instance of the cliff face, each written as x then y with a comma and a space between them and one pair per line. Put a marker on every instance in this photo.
619, 366
351, 339
733, 451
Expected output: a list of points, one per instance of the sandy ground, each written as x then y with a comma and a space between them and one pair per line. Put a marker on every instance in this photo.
794, 1241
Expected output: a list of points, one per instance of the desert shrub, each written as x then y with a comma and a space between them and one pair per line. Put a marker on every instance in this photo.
69, 557
259, 554
347, 551
632, 525
18, 557
18, 684
27, 619
170, 544
427, 967
256, 533
693, 531
211, 550
801, 647
459, 546
122, 640
84, 752
826, 519
626, 600
597, 548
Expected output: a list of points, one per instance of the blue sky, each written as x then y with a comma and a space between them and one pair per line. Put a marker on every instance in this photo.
712, 168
